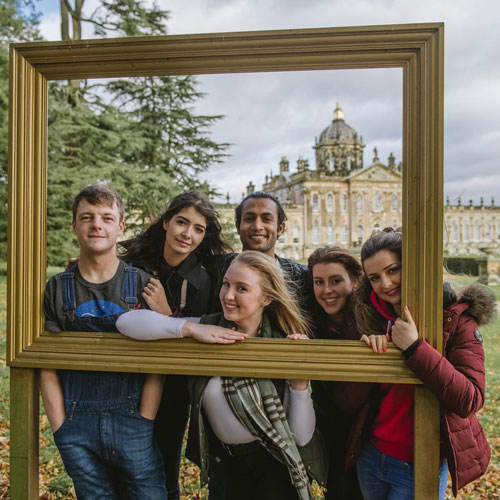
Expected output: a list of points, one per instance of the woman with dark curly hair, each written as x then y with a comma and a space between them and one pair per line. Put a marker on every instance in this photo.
172, 249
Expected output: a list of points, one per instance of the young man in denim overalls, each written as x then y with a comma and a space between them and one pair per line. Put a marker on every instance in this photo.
102, 421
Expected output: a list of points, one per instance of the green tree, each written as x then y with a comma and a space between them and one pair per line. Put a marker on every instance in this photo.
139, 135
177, 141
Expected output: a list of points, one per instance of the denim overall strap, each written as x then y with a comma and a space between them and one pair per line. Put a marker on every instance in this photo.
129, 287
68, 290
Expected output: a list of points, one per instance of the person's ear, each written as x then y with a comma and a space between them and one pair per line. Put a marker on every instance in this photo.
122, 226
237, 227
281, 228
355, 284
165, 224
73, 224
266, 301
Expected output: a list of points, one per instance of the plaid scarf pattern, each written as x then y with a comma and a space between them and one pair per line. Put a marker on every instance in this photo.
256, 404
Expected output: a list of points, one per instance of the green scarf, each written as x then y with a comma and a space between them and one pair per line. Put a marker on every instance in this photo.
257, 406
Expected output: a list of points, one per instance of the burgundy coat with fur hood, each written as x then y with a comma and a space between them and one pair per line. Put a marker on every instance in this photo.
457, 379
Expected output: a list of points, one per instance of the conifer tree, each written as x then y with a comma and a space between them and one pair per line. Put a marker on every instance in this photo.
139, 135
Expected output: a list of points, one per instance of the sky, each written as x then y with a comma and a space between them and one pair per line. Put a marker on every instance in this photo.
271, 115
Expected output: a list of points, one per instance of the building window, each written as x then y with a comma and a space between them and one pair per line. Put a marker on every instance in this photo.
296, 235
359, 203
478, 232
377, 203
466, 232
343, 203
360, 233
454, 233
329, 234
329, 203
316, 234
394, 203
315, 203
498, 232
489, 232
344, 237
376, 228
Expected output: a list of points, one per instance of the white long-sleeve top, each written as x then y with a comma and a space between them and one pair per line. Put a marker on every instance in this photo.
144, 324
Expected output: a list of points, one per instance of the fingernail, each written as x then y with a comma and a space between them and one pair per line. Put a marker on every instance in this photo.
406, 308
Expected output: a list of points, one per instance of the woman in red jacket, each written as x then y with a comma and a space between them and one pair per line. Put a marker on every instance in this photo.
457, 378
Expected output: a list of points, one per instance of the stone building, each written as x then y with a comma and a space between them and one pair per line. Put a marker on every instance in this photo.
471, 229
340, 202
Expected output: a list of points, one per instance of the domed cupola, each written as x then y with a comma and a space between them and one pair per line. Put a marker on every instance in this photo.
338, 129
339, 149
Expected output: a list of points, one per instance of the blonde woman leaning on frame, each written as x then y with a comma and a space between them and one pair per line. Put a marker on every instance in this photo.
259, 433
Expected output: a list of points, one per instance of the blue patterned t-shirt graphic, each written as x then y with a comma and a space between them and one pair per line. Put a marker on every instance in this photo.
97, 308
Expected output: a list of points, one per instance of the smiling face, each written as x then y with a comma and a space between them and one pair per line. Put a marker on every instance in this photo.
384, 273
184, 233
242, 298
97, 228
332, 287
259, 225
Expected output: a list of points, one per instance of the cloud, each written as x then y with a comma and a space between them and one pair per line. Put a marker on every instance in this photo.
279, 114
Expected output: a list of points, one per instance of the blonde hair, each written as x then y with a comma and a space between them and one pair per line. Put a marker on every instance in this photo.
283, 305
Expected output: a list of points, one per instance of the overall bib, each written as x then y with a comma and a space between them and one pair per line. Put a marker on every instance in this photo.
106, 445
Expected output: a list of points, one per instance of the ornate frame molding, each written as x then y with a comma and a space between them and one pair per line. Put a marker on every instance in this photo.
416, 48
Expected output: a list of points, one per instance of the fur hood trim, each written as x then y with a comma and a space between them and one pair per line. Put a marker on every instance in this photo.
482, 303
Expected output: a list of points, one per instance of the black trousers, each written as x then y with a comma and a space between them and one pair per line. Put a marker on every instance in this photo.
170, 426
253, 476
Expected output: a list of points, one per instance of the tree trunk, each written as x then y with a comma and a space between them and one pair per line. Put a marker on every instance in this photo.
77, 20
64, 21
76, 24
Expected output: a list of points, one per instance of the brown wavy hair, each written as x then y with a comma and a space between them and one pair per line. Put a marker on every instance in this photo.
367, 319
336, 255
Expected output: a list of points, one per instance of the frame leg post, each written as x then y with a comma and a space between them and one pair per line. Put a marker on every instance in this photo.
426, 444
24, 429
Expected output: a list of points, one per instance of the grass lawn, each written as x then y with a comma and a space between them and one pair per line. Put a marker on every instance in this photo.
55, 484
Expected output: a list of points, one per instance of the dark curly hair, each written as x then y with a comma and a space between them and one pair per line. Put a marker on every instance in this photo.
146, 249
260, 195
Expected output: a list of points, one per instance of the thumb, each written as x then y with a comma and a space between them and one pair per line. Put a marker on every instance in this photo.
408, 316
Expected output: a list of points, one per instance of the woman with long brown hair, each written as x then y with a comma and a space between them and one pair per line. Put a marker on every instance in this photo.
334, 274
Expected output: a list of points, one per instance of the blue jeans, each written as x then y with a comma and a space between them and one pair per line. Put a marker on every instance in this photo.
110, 453
382, 477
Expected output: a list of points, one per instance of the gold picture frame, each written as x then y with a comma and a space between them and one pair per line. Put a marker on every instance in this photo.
416, 48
